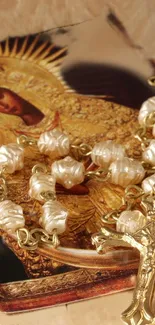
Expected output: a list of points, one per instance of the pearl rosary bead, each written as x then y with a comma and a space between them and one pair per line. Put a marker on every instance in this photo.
54, 214
130, 221
11, 157
148, 184
68, 172
153, 131
40, 183
11, 216
105, 152
147, 107
54, 143
149, 153
126, 172
54, 217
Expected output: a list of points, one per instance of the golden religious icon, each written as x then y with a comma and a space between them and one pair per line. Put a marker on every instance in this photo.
34, 99
12, 104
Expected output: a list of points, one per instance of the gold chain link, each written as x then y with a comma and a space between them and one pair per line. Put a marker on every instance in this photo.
82, 149
101, 175
39, 168
3, 188
25, 141
30, 240
151, 81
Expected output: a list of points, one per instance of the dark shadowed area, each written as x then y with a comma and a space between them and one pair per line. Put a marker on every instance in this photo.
114, 84
11, 268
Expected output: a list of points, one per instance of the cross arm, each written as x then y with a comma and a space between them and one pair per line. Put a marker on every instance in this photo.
110, 237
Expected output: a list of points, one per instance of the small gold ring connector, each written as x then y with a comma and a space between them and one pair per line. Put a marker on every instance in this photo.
39, 168
25, 141
151, 81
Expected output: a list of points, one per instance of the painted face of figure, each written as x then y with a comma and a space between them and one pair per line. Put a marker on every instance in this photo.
9, 103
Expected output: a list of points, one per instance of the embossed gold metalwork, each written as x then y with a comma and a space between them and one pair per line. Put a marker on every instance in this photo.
140, 311
36, 290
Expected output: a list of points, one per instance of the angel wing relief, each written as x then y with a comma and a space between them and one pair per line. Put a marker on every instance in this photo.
34, 98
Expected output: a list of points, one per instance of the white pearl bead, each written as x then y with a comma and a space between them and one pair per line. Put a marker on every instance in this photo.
126, 172
40, 183
147, 107
12, 156
68, 172
148, 183
11, 216
54, 217
149, 153
105, 152
153, 131
54, 143
130, 221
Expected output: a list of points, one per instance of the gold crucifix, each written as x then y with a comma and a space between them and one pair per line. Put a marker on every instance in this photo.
139, 312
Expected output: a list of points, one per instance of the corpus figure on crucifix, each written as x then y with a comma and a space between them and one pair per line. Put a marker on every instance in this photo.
139, 312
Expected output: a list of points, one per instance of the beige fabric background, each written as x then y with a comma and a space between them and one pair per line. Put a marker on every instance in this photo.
20, 17
96, 40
